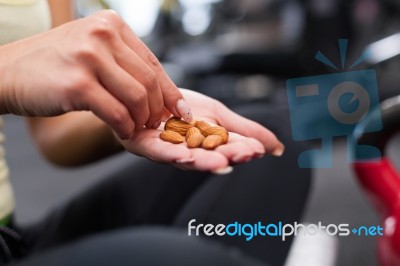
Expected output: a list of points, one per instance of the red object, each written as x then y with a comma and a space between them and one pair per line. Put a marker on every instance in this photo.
382, 184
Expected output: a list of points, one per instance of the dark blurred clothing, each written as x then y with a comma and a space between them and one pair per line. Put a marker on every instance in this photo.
148, 194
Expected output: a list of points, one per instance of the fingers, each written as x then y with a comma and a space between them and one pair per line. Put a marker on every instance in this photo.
147, 78
147, 143
243, 126
205, 160
114, 113
239, 149
128, 91
173, 98
238, 152
142, 64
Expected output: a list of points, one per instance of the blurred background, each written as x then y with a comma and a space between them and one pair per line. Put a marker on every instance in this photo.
240, 52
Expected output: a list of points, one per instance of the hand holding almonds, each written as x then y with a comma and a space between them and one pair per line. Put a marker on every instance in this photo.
197, 133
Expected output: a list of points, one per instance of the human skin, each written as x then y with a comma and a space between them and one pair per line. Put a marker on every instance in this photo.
84, 137
97, 64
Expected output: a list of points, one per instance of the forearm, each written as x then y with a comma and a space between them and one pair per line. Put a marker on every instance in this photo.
61, 11
98, 64
73, 139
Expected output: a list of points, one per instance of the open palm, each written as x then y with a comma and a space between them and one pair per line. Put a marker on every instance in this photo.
247, 139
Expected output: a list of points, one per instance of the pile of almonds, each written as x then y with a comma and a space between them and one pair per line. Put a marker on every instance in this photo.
197, 133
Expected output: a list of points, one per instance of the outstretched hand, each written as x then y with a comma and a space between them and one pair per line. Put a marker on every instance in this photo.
247, 140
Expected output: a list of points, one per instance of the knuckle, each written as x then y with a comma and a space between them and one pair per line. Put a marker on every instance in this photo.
119, 116
150, 80
110, 17
75, 99
153, 60
85, 53
140, 110
140, 96
77, 85
102, 25
102, 29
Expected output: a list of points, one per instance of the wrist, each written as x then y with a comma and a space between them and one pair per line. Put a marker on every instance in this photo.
5, 78
3, 109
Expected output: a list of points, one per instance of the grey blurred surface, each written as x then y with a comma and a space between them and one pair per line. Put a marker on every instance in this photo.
335, 198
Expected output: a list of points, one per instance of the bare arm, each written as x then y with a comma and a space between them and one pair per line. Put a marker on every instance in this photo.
74, 138
61, 11
79, 137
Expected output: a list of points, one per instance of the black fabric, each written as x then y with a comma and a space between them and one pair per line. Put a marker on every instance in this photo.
144, 247
142, 194
268, 190
12, 245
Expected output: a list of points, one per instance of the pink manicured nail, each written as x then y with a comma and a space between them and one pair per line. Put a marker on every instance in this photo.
184, 110
223, 171
279, 150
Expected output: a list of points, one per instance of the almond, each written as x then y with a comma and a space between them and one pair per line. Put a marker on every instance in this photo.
192, 131
201, 125
195, 140
211, 142
172, 136
217, 130
177, 125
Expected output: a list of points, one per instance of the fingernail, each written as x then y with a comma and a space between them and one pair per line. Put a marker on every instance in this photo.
185, 160
278, 150
223, 171
184, 110
156, 125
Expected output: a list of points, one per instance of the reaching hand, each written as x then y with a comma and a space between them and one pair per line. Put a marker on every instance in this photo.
95, 63
247, 140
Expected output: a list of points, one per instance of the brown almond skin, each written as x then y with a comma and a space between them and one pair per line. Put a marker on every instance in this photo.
192, 131
172, 136
211, 142
201, 125
195, 140
217, 130
177, 125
